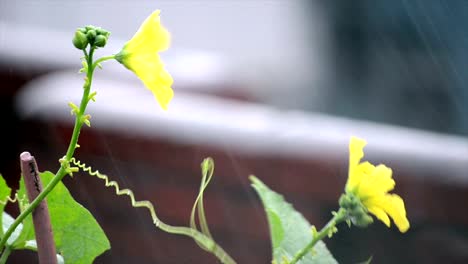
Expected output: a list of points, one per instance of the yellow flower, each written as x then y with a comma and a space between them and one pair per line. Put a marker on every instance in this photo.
371, 185
140, 55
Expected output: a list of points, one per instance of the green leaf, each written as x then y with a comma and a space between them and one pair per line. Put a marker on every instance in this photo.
77, 235
289, 230
4, 194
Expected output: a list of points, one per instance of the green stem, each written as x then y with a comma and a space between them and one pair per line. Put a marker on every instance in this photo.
102, 59
5, 255
339, 217
208, 244
79, 121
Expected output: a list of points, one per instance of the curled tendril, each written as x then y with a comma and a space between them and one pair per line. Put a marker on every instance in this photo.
21, 200
8, 199
203, 239
198, 209
146, 204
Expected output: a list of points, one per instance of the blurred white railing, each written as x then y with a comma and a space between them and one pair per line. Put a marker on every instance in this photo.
249, 128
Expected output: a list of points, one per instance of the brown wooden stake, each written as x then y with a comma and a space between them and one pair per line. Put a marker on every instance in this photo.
40, 215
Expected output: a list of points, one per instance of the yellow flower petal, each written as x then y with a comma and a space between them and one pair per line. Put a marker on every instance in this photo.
150, 37
393, 206
380, 214
356, 153
150, 69
356, 150
140, 55
359, 173
378, 182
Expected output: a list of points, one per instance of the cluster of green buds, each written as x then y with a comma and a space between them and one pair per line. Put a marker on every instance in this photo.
96, 37
356, 211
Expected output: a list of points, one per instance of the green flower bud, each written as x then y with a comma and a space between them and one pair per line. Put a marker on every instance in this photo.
103, 32
89, 27
349, 201
344, 201
80, 41
83, 30
91, 34
357, 212
363, 221
100, 41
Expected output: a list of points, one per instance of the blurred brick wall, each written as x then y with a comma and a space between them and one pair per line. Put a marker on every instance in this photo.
168, 174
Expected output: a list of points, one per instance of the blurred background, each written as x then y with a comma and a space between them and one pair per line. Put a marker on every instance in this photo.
271, 88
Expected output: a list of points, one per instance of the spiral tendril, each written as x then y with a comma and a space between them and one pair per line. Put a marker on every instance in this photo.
204, 239
8, 199
108, 183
